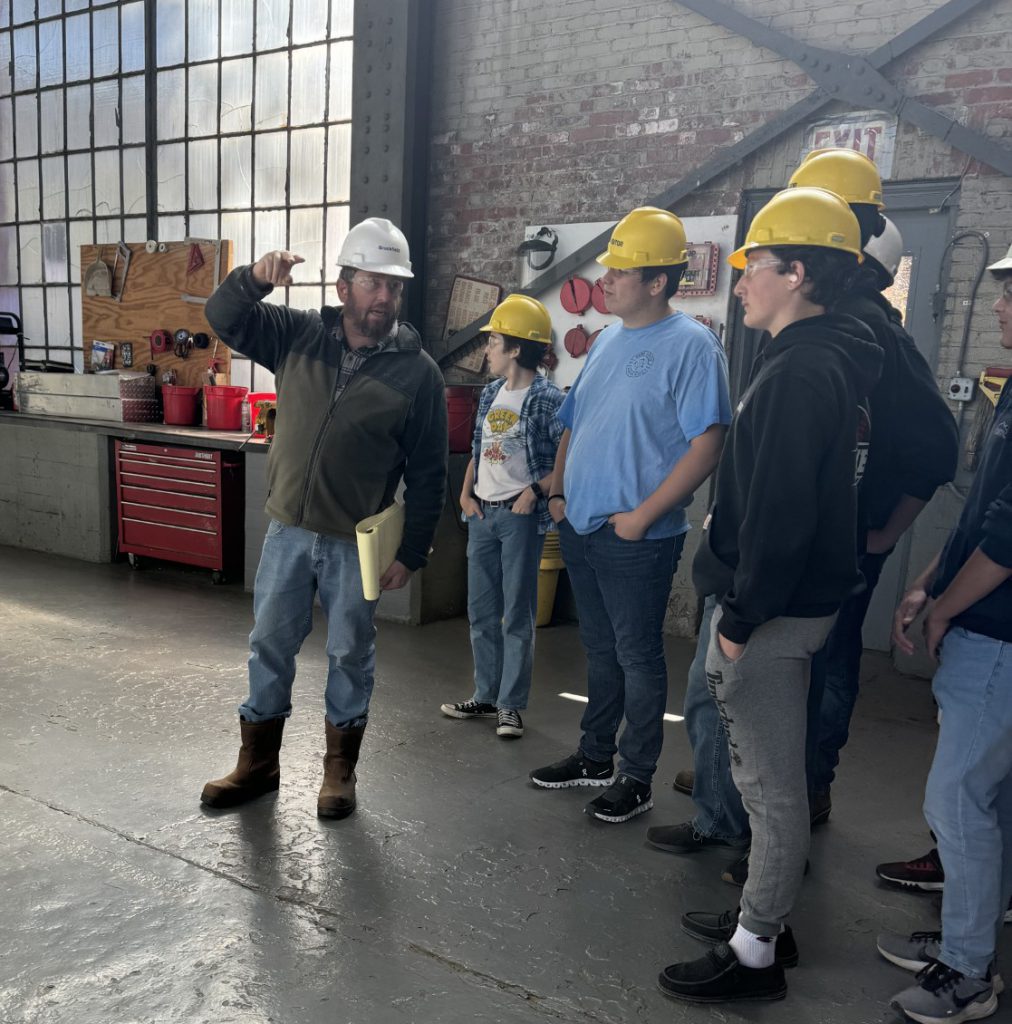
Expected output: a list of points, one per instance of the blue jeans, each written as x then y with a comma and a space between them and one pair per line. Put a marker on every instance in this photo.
968, 802
622, 589
836, 673
294, 565
720, 813
503, 555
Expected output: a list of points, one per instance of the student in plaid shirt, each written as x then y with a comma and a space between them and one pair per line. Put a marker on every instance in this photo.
505, 502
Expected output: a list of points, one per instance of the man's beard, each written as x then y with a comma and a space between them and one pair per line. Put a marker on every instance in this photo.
371, 327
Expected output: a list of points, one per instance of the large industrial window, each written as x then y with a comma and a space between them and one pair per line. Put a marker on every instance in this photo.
252, 101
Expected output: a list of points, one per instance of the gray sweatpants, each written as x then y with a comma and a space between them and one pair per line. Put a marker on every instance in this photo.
762, 698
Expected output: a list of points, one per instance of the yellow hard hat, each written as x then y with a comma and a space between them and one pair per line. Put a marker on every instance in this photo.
851, 175
647, 237
521, 316
802, 216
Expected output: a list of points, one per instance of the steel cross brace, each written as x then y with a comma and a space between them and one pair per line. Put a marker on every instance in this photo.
857, 80
840, 77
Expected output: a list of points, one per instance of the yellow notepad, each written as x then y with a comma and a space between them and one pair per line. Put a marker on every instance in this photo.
379, 537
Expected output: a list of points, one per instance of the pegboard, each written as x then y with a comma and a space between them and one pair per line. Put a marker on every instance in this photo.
152, 300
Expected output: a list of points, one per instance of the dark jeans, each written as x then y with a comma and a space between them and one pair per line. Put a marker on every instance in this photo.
836, 672
719, 810
622, 589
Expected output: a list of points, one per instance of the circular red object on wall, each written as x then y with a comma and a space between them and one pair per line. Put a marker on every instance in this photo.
576, 342
161, 341
576, 295
593, 338
597, 298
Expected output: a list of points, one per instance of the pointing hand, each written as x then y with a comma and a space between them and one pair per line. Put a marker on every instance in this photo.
275, 268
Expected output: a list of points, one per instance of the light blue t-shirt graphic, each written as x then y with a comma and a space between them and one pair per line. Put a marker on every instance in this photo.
642, 396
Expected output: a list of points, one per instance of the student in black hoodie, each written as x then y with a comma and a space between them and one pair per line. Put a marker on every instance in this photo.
780, 546
913, 452
968, 801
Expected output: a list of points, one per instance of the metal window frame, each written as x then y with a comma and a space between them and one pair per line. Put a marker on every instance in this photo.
20, 220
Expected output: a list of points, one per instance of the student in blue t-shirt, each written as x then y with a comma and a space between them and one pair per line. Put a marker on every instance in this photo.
645, 422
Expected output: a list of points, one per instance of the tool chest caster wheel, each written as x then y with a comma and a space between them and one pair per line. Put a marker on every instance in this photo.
217, 578
136, 562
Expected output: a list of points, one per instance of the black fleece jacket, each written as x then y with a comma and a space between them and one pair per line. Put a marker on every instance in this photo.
333, 462
986, 523
915, 447
781, 537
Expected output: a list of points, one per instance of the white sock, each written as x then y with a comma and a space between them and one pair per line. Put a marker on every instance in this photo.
753, 950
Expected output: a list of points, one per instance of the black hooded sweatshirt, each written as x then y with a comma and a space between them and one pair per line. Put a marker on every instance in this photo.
781, 537
915, 447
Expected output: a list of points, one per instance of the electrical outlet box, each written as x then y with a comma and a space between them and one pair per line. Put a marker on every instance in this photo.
961, 389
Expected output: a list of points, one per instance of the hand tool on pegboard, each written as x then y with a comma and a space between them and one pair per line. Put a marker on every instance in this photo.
182, 343
122, 253
212, 366
197, 299
196, 260
161, 341
97, 279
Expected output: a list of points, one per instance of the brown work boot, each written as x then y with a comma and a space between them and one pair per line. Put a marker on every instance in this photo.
684, 781
256, 772
337, 794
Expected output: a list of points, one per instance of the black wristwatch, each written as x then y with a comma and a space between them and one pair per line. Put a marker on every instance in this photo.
538, 492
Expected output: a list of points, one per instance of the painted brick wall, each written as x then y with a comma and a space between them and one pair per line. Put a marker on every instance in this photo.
578, 110
55, 491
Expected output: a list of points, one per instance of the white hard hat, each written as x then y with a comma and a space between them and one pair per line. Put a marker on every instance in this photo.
1005, 264
886, 249
376, 245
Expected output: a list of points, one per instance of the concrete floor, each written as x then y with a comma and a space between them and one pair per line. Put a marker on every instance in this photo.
457, 893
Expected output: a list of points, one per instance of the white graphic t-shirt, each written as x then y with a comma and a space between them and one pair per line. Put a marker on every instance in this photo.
503, 470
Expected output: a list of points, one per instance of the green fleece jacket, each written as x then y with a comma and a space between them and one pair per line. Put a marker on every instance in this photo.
333, 462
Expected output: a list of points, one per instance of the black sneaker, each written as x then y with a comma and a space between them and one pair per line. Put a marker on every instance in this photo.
719, 977
923, 873
683, 838
736, 873
720, 927
509, 723
575, 770
623, 799
469, 709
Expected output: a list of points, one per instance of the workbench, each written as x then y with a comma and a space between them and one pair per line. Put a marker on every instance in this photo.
57, 494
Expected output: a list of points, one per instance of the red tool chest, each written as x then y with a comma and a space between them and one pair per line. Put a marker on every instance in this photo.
180, 504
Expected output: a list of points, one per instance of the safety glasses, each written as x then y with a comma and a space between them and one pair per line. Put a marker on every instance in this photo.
370, 283
754, 265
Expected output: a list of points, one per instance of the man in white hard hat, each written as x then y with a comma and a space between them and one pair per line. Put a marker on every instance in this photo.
360, 406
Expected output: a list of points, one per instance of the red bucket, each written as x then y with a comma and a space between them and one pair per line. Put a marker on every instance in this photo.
224, 406
461, 409
182, 405
255, 398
